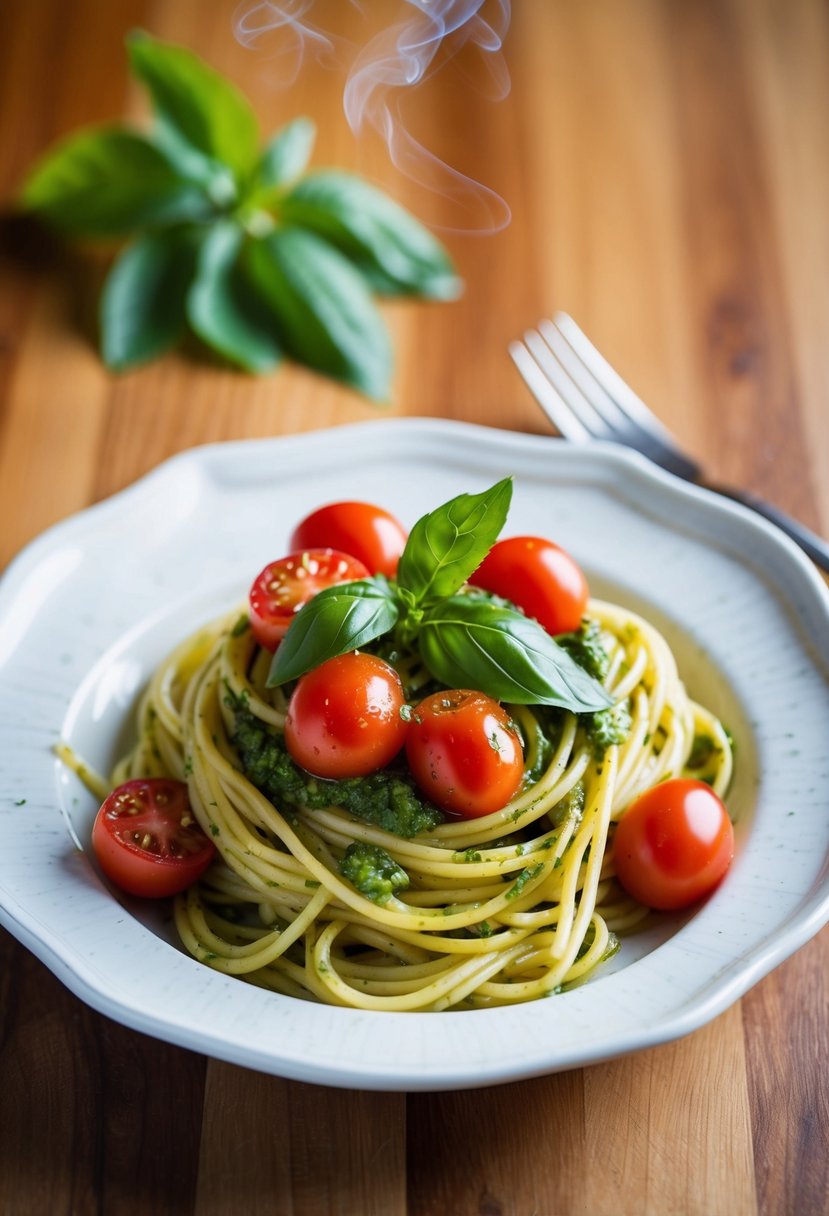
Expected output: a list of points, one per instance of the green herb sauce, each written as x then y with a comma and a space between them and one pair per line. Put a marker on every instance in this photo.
607, 728
373, 871
586, 648
386, 799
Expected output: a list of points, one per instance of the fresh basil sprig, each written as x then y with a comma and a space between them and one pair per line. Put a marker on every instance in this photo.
336, 620
231, 242
448, 545
395, 253
465, 640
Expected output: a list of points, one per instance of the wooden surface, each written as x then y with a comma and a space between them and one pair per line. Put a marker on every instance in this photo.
667, 167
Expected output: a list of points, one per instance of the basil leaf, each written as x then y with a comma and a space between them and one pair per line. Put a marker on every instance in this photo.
197, 109
222, 308
467, 642
393, 249
107, 181
336, 620
143, 302
326, 315
286, 155
449, 543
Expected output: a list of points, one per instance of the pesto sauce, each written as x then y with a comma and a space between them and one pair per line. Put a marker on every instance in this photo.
586, 648
607, 727
386, 799
373, 871
523, 878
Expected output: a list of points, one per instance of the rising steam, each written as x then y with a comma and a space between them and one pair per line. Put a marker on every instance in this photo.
384, 71
296, 39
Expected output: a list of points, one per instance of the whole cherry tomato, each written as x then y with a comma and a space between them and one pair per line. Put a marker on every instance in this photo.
147, 839
464, 752
539, 577
281, 589
367, 532
673, 844
344, 717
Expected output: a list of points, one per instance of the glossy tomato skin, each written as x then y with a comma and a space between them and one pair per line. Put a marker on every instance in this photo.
280, 590
367, 532
539, 577
344, 717
147, 840
464, 753
673, 844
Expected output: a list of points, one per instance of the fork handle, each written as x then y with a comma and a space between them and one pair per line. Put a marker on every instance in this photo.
811, 544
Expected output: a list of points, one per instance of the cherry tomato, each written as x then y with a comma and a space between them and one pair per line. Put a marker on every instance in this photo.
537, 576
464, 752
344, 717
147, 840
281, 589
673, 844
367, 532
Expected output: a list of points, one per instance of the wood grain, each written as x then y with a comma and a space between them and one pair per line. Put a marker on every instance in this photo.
301, 1150
668, 1131
667, 169
94, 1117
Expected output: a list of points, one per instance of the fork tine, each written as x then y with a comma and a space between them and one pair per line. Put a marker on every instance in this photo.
573, 402
536, 380
586, 399
617, 402
602, 403
573, 398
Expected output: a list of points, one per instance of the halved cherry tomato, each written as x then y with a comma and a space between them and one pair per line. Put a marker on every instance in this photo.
540, 578
147, 839
344, 717
367, 532
673, 845
281, 589
464, 752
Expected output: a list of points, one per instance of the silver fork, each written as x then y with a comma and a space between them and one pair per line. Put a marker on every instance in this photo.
586, 399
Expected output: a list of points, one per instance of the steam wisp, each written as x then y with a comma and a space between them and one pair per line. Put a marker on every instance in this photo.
385, 71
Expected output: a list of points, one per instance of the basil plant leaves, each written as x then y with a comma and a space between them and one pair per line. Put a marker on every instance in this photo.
465, 639
234, 243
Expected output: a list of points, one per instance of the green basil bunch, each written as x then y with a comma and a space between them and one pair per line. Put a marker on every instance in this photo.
230, 240
465, 640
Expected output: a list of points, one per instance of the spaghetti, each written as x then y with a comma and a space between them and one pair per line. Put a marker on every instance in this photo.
505, 908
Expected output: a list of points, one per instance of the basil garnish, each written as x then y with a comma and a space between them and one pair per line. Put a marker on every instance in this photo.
336, 620
469, 642
286, 263
449, 544
466, 641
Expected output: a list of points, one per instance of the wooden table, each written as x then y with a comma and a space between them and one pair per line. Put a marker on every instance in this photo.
667, 168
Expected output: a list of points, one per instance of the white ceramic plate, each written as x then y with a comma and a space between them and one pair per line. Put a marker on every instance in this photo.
89, 608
